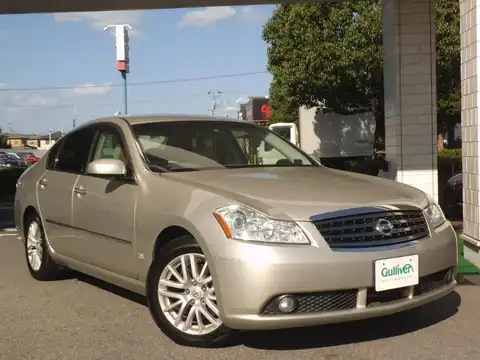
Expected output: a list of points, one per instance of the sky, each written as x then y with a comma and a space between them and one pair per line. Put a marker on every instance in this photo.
71, 51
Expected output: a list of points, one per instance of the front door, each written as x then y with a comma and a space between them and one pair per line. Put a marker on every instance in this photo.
104, 210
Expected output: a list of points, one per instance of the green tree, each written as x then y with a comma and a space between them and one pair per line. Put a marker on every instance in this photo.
333, 53
3, 140
448, 65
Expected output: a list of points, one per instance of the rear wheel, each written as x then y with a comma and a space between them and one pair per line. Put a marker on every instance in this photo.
40, 264
181, 296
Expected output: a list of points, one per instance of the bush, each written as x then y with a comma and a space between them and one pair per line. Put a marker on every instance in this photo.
8, 180
450, 153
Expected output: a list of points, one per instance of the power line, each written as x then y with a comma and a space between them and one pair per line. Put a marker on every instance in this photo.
137, 83
103, 104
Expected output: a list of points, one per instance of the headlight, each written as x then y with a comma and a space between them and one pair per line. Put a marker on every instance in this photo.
434, 214
245, 224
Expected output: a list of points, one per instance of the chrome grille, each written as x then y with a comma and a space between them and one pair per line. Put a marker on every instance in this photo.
363, 230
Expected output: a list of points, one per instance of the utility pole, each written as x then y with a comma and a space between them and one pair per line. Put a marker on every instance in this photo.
214, 94
225, 108
123, 61
75, 117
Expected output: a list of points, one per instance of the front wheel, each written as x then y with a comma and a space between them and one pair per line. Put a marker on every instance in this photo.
181, 296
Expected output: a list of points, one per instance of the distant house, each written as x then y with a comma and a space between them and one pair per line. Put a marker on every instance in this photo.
32, 141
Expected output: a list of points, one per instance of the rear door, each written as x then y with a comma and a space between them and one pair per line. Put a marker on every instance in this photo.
66, 161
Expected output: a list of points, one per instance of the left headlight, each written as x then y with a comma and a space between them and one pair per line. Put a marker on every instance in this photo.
434, 214
243, 223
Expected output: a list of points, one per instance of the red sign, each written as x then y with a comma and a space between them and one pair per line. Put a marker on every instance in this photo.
265, 109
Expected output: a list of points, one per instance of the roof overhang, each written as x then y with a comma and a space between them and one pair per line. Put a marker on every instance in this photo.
51, 6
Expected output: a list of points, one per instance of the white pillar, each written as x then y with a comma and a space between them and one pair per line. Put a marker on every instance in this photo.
470, 63
410, 92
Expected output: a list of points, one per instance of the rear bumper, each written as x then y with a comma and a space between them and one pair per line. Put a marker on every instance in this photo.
247, 281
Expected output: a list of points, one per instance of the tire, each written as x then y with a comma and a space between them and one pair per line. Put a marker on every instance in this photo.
43, 268
191, 297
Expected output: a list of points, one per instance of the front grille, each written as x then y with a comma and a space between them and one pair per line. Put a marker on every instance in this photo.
363, 230
317, 302
347, 299
425, 284
434, 281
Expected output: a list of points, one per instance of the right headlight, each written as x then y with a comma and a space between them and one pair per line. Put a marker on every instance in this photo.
243, 223
434, 214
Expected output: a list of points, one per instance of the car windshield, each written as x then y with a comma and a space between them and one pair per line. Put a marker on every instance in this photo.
205, 145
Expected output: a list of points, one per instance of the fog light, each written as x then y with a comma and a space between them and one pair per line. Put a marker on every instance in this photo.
287, 304
449, 276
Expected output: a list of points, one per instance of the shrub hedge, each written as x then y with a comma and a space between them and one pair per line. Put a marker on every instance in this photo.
8, 180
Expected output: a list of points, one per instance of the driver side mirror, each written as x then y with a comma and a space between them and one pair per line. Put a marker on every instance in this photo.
107, 167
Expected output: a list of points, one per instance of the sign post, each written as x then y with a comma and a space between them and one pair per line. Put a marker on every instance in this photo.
123, 61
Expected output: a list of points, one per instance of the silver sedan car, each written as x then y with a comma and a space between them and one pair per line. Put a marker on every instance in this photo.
223, 225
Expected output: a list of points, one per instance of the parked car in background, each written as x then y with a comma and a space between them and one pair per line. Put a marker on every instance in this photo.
29, 157
453, 197
184, 210
3, 164
16, 156
10, 160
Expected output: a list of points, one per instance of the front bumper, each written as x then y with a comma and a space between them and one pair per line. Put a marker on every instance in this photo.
248, 276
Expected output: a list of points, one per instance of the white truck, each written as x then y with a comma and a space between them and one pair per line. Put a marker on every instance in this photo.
323, 133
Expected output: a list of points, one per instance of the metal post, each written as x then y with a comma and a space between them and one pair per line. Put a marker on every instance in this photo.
125, 93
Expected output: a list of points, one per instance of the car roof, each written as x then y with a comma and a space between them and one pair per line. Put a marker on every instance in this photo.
144, 119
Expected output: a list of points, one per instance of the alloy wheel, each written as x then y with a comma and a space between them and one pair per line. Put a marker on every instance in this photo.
187, 296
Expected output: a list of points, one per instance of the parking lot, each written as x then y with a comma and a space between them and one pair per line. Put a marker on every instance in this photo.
82, 318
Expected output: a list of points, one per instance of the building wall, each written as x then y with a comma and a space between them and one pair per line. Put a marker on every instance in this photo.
410, 92
470, 63
15, 142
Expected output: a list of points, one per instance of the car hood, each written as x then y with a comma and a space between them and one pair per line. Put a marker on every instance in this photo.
298, 193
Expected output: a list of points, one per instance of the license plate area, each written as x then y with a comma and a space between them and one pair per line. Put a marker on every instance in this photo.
396, 273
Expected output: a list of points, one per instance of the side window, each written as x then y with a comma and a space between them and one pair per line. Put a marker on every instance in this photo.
53, 155
109, 146
74, 153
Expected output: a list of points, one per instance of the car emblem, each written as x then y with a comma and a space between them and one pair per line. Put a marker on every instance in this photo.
384, 226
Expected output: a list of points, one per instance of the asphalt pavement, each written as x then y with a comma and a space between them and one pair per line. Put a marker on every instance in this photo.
80, 318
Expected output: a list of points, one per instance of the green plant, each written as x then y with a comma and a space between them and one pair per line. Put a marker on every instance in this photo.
450, 153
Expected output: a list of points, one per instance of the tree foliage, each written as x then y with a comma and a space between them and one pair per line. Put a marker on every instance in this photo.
332, 53
448, 64
3, 140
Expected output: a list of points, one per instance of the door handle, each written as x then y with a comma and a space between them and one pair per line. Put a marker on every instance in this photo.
43, 182
80, 191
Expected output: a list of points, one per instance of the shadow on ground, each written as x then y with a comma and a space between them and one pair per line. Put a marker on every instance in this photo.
7, 219
328, 335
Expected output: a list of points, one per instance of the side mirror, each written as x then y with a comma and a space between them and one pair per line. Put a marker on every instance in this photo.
107, 167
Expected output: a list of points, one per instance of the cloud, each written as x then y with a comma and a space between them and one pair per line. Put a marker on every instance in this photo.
33, 100
207, 16
255, 14
90, 90
21, 101
98, 20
